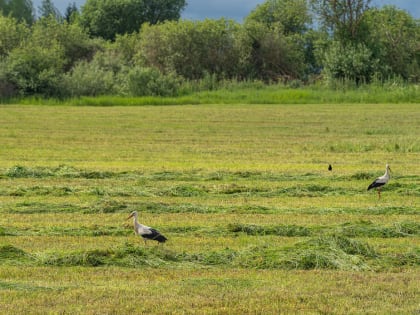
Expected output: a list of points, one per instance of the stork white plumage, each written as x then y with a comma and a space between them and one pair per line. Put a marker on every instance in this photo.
146, 232
380, 181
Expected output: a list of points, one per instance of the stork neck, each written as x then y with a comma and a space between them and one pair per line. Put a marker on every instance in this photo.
135, 220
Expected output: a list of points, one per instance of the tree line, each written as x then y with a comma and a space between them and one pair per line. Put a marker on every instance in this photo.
141, 47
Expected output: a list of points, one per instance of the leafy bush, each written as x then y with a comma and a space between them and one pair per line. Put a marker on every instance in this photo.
36, 69
74, 41
191, 48
150, 82
7, 88
352, 62
12, 34
88, 79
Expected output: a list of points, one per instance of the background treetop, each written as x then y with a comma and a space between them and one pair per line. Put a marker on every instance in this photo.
107, 18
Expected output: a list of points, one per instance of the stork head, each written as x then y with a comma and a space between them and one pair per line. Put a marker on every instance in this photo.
132, 214
388, 168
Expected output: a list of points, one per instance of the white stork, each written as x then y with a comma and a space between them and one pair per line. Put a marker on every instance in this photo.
146, 232
380, 181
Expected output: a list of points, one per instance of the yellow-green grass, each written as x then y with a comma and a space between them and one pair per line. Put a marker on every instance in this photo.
214, 291
291, 138
255, 221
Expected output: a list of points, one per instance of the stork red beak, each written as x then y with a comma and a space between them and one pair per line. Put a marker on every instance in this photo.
130, 216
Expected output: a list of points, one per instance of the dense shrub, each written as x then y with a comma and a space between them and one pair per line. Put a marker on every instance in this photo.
89, 79
12, 34
395, 44
268, 54
75, 43
35, 69
149, 81
191, 48
351, 62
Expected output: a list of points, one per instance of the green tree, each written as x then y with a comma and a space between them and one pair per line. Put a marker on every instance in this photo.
22, 10
350, 62
37, 65
71, 12
269, 54
107, 18
74, 41
393, 36
292, 15
36, 69
342, 17
47, 9
275, 35
191, 49
12, 33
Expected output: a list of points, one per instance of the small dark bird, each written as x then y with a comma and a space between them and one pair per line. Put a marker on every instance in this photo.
380, 181
330, 167
146, 232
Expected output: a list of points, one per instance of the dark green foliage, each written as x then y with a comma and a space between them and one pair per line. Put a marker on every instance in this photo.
88, 78
269, 54
107, 18
22, 10
75, 43
149, 81
192, 49
35, 69
395, 43
292, 15
349, 61
12, 33
48, 9
71, 12
342, 17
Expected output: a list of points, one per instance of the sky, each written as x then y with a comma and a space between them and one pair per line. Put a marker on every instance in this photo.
236, 9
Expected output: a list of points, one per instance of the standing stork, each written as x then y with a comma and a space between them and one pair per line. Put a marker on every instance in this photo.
380, 181
146, 232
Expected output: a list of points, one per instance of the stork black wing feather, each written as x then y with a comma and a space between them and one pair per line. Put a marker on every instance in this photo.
156, 236
375, 184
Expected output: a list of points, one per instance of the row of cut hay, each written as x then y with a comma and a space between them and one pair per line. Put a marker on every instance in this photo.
325, 252
348, 229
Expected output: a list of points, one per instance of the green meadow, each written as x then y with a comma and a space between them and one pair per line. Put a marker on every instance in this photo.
255, 221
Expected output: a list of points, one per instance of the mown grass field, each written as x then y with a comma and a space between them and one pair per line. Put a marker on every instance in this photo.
255, 221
